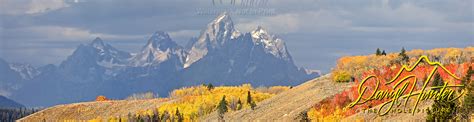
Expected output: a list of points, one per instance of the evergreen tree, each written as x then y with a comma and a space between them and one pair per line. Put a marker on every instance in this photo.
253, 105
210, 86
179, 116
468, 101
304, 117
239, 104
442, 110
437, 81
249, 97
403, 56
250, 101
383, 53
403, 51
466, 79
222, 108
378, 52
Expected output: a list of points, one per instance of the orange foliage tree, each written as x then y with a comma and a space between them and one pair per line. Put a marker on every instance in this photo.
101, 98
456, 60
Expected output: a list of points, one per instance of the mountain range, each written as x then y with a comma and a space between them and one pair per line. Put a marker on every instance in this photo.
221, 55
7, 103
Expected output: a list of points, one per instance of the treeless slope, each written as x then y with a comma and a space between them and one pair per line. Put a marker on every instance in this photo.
289, 104
92, 110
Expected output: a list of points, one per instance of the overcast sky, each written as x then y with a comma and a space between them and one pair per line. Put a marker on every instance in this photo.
316, 32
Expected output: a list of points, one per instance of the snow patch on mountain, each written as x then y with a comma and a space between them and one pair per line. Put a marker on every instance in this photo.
272, 44
109, 56
217, 33
219, 55
26, 71
159, 48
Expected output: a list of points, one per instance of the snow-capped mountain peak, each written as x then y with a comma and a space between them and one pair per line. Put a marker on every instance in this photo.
260, 32
159, 48
219, 55
271, 43
160, 40
97, 43
218, 32
224, 16
102, 48
91, 56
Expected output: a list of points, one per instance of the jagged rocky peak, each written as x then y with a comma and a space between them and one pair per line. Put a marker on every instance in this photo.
97, 43
101, 46
160, 40
159, 48
223, 20
256, 57
260, 32
222, 28
96, 52
271, 43
223, 17
218, 32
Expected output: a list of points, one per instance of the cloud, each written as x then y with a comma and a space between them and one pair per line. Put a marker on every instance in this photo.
41, 6
58, 33
183, 36
40, 45
31, 6
394, 29
48, 55
406, 16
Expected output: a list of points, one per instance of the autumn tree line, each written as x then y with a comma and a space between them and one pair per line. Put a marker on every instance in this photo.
348, 68
154, 117
195, 102
166, 116
223, 105
385, 65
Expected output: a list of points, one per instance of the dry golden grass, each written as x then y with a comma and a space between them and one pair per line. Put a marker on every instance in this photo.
92, 110
192, 102
287, 105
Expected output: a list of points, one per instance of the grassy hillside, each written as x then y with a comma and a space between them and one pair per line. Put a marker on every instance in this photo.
93, 110
289, 105
191, 102
324, 98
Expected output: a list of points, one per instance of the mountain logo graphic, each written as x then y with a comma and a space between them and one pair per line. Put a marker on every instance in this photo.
401, 88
